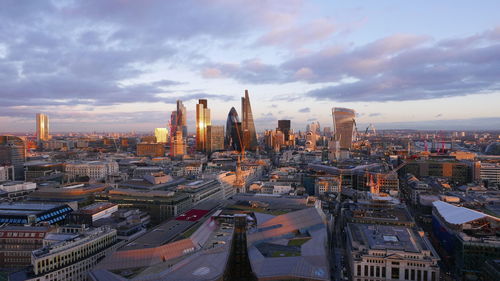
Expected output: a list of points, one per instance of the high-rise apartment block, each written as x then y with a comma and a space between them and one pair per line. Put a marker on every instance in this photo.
42, 127
202, 121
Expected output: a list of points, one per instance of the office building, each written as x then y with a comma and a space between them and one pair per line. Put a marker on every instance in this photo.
17, 243
13, 153
233, 131
456, 171
181, 118
6, 173
95, 170
160, 204
215, 138
202, 121
73, 255
490, 173
24, 213
161, 135
247, 125
151, 149
386, 252
311, 138
343, 121
42, 127
466, 238
285, 126
178, 145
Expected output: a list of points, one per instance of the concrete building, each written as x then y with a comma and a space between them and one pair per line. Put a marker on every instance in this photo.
215, 138
150, 149
21, 213
42, 127
490, 173
17, 243
202, 190
89, 214
383, 252
95, 170
16, 190
161, 205
73, 256
326, 184
6, 173
13, 153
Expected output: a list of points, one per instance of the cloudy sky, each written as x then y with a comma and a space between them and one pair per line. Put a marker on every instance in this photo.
118, 65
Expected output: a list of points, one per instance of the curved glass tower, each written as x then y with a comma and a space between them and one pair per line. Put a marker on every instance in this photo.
233, 129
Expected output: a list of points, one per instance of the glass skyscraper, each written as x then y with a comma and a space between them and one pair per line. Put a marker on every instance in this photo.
248, 126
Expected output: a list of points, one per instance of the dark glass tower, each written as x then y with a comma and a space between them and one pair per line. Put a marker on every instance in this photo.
233, 131
248, 126
284, 126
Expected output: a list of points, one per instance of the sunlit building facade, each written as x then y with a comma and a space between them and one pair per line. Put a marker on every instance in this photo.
343, 120
247, 124
161, 135
202, 121
42, 127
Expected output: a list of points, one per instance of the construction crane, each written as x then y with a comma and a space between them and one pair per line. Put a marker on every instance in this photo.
373, 129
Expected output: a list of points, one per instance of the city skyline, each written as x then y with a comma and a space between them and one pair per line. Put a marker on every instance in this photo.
125, 71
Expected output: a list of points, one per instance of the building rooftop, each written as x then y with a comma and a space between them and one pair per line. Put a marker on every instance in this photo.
292, 245
458, 215
381, 237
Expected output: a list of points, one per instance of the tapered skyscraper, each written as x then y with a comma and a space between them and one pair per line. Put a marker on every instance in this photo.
202, 121
181, 118
42, 127
343, 121
248, 126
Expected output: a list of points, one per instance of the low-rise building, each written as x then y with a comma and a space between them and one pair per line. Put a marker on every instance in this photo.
160, 204
16, 190
17, 243
383, 252
73, 256
24, 213
95, 170
466, 238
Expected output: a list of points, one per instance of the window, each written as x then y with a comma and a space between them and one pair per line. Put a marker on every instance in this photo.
359, 270
383, 271
412, 274
395, 273
407, 274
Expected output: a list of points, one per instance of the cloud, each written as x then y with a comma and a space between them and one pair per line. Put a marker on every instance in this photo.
375, 114
305, 110
299, 35
404, 69
249, 71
